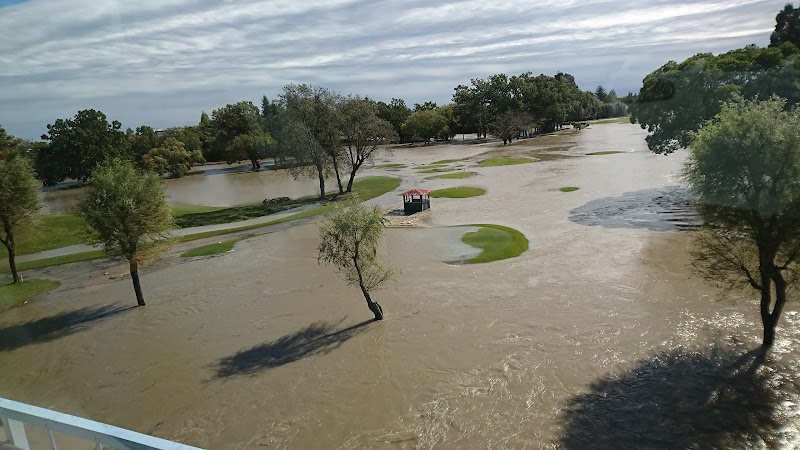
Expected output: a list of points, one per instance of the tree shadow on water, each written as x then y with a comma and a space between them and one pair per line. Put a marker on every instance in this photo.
711, 398
317, 338
56, 326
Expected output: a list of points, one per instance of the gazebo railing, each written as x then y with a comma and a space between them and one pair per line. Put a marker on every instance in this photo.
15, 415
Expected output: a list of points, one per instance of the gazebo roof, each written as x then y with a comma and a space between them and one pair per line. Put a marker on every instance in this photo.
411, 192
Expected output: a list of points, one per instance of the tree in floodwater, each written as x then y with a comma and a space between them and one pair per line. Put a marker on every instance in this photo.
19, 202
744, 169
363, 133
350, 239
126, 210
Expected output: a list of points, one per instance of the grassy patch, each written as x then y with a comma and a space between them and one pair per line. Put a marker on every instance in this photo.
237, 213
458, 192
366, 188
14, 294
391, 166
434, 170
452, 176
568, 188
607, 152
212, 249
623, 119
181, 209
503, 161
445, 161
54, 261
50, 231
496, 241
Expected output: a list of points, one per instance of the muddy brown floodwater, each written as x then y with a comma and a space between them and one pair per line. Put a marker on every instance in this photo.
595, 337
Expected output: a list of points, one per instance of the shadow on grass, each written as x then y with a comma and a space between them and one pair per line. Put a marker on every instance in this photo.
711, 398
54, 327
315, 339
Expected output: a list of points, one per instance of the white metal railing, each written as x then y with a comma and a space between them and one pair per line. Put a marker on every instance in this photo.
15, 415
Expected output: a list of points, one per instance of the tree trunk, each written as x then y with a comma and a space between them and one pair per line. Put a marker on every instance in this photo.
137, 287
12, 251
350, 181
769, 319
373, 306
321, 175
336, 170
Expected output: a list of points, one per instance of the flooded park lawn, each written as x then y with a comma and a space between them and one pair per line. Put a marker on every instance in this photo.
597, 335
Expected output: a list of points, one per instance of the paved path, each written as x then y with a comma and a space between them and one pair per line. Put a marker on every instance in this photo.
80, 248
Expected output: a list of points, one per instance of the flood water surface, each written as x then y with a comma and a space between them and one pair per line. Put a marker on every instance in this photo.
596, 336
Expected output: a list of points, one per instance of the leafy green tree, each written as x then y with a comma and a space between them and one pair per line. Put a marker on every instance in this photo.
349, 242
79, 144
425, 125
600, 93
230, 122
744, 168
171, 157
364, 132
141, 141
787, 27
677, 98
251, 146
19, 202
510, 124
9, 145
317, 109
427, 106
395, 112
126, 210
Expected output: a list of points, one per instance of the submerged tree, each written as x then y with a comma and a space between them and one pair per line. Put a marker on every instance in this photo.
744, 168
19, 202
350, 239
126, 210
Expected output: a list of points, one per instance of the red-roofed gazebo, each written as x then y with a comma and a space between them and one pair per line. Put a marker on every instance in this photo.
416, 200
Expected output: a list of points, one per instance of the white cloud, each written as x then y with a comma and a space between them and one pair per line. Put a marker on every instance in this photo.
174, 58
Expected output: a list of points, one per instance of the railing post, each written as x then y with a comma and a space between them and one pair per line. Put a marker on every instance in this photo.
15, 433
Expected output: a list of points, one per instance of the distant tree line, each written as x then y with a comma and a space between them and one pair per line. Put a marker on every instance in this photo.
314, 130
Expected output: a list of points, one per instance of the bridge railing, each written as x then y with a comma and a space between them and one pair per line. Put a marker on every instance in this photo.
16, 415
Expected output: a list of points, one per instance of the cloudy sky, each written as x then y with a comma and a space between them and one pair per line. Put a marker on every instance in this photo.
162, 62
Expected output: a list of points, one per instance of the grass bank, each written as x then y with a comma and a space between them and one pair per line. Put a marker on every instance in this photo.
607, 152
623, 119
452, 176
14, 294
366, 188
212, 249
496, 241
458, 192
445, 161
504, 161
568, 188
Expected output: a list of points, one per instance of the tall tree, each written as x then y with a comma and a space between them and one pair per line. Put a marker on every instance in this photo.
79, 144
349, 242
744, 168
787, 27
395, 112
19, 202
126, 210
230, 122
317, 108
363, 133
9, 145
141, 141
